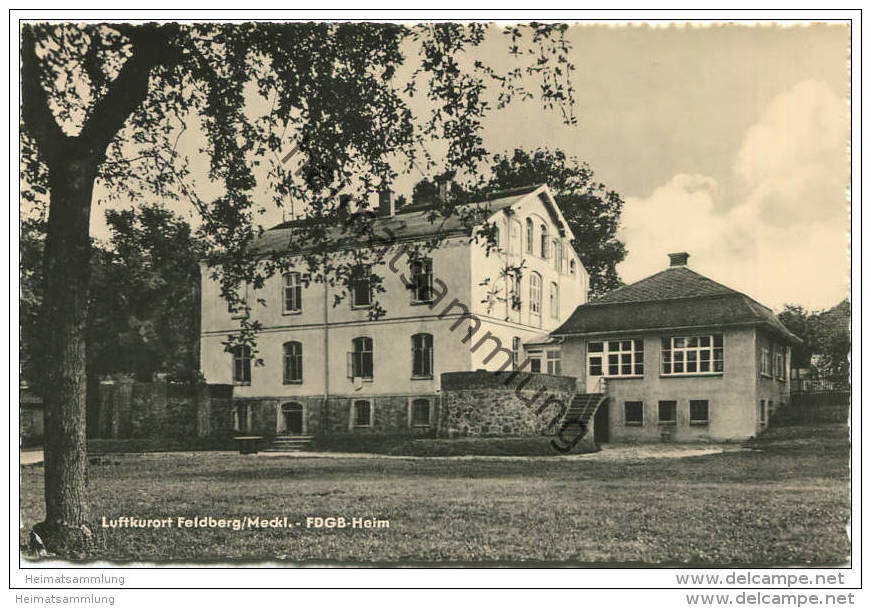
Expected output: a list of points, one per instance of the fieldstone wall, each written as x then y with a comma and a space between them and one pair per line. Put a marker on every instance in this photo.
504, 404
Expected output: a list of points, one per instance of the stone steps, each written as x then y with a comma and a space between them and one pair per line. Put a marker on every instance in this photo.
289, 443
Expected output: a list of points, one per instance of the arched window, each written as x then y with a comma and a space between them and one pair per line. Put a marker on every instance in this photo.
292, 362
292, 292
557, 256
360, 358
530, 236
544, 241
241, 364
535, 293
421, 356
362, 414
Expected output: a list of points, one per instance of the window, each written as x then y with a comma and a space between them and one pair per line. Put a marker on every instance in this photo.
292, 362
421, 356
633, 413
554, 301
241, 365
514, 290
362, 413
544, 241
361, 286
692, 355
292, 293
557, 256
420, 412
616, 357
535, 293
553, 362
668, 412
530, 236
535, 362
699, 411
762, 412
360, 358
515, 353
780, 362
765, 360
595, 352
421, 279
240, 418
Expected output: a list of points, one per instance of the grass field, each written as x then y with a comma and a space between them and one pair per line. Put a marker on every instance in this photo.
786, 502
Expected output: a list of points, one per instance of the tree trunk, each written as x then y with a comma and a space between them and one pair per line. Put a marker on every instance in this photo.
65, 530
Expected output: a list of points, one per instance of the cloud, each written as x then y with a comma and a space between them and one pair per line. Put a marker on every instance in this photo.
784, 235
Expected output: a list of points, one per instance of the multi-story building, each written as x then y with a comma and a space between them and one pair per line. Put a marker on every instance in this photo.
332, 368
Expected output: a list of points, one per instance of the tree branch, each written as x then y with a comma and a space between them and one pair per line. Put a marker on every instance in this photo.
35, 111
151, 48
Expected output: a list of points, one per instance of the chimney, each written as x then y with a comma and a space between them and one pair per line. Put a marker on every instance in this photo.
678, 259
386, 204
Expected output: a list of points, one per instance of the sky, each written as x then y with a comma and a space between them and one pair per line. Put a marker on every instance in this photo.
730, 142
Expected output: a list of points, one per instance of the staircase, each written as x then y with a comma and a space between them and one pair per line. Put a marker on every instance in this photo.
582, 409
290, 443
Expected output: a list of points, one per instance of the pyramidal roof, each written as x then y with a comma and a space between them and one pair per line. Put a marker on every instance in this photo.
675, 298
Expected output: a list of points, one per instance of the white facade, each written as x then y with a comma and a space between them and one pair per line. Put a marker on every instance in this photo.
463, 277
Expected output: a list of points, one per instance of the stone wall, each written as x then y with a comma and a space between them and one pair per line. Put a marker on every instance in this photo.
504, 404
138, 410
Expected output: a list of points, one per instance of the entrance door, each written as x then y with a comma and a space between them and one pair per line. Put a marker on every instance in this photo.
595, 366
292, 414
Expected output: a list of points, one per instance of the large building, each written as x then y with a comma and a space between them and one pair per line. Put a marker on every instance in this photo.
330, 368
674, 357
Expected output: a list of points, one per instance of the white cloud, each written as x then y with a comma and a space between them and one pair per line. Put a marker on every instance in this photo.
784, 237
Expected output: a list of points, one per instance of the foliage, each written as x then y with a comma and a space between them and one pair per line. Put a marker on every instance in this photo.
826, 339
591, 210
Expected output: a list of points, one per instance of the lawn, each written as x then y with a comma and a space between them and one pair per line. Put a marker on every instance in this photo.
786, 502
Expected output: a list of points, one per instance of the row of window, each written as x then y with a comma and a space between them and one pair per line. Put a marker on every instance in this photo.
360, 360
361, 416
679, 356
544, 246
633, 412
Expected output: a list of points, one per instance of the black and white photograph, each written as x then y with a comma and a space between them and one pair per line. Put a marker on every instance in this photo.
459, 292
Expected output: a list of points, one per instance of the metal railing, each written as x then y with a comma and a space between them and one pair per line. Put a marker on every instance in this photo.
818, 385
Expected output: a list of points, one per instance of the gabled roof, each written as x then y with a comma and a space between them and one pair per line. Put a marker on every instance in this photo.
672, 299
410, 223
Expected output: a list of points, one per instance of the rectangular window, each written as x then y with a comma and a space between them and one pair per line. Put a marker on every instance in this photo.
361, 286
237, 307
633, 413
421, 356
553, 363
362, 413
292, 362
515, 353
554, 301
668, 412
421, 279
622, 358
780, 362
762, 412
765, 360
689, 355
292, 293
242, 365
420, 413
699, 411
360, 363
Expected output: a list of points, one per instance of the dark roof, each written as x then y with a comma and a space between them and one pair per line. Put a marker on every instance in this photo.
674, 298
410, 223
